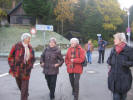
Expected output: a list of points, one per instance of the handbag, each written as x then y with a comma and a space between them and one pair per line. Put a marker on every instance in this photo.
84, 63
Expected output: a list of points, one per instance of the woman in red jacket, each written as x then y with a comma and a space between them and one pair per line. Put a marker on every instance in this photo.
74, 57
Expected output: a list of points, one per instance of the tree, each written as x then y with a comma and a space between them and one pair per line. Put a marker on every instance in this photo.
2, 14
93, 21
39, 8
63, 11
5, 4
110, 9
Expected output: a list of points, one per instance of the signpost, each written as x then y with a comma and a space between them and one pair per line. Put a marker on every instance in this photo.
128, 34
33, 32
44, 28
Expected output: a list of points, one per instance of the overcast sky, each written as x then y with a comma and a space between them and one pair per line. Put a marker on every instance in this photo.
125, 3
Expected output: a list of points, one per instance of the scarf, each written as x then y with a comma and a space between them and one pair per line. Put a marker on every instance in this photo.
120, 47
73, 53
27, 52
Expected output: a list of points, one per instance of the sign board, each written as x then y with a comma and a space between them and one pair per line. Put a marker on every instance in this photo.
49, 27
33, 31
40, 27
98, 34
44, 27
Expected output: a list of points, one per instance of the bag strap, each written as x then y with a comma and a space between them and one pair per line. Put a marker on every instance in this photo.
79, 52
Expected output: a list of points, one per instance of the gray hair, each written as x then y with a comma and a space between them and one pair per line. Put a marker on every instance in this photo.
75, 40
121, 37
53, 39
25, 36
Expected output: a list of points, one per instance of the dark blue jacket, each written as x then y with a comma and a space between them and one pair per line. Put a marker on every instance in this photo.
102, 44
120, 77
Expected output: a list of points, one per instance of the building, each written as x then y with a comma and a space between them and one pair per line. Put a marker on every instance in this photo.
18, 16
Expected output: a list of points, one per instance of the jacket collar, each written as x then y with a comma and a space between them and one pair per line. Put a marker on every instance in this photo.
77, 47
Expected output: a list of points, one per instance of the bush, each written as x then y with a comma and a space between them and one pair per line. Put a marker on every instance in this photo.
95, 43
6, 25
39, 48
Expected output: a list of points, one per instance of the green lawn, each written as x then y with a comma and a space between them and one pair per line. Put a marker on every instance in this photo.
12, 34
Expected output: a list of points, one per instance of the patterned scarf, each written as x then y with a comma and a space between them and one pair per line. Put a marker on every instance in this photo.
120, 47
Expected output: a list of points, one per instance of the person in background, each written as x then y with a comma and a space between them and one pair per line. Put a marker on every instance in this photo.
101, 49
89, 49
120, 61
51, 60
21, 60
74, 57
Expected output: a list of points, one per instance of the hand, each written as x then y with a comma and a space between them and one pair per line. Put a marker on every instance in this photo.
12, 74
56, 65
72, 60
42, 64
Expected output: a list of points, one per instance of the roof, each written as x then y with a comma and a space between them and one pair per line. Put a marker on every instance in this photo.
14, 9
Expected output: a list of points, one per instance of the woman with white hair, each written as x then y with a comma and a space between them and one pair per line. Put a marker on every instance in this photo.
21, 60
51, 60
74, 57
120, 60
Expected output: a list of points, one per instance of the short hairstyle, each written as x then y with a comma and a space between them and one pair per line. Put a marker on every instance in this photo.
24, 36
75, 40
121, 37
53, 39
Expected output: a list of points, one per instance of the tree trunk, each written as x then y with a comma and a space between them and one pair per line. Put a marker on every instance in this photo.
36, 20
58, 27
13, 4
62, 26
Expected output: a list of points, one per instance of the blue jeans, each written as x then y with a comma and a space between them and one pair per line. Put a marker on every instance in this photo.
89, 56
119, 96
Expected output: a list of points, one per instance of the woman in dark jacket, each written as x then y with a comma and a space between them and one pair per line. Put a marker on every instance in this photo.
120, 60
51, 60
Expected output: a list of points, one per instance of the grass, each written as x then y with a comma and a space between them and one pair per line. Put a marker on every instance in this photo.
11, 35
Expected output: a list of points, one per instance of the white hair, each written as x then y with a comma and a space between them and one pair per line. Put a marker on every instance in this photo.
74, 40
53, 39
121, 37
24, 36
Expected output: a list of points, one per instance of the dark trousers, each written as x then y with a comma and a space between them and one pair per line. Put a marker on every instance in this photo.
101, 56
51, 82
74, 80
23, 87
119, 96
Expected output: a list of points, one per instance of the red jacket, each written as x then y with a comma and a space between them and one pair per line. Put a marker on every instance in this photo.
16, 61
79, 57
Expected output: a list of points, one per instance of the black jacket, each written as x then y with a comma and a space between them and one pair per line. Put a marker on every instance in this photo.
120, 77
50, 57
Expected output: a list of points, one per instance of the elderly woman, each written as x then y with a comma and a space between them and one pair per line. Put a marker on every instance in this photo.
120, 60
51, 60
21, 60
74, 57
